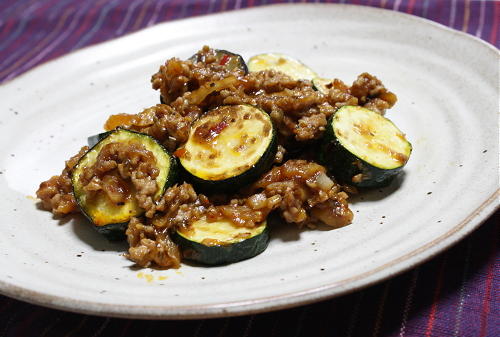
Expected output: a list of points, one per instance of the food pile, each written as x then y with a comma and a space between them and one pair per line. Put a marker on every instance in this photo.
231, 144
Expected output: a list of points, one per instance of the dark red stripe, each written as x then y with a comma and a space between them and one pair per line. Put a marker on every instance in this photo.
494, 29
485, 311
435, 301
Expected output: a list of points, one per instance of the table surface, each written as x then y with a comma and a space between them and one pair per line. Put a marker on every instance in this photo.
454, 294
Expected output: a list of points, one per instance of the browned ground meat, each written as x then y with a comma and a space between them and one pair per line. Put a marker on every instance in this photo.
150, 242
56, 193
372, 94
296, 108
280, 154
299, 189
177, 77
169, 124
307, 194
119, 169
151, 246
299, 111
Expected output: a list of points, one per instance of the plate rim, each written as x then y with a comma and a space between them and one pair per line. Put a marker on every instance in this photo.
387, 270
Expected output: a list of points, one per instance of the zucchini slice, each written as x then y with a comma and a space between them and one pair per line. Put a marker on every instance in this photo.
363, 148
229, 147
93, 140
322, 85
109, 209
283, 63
221, 242
229, 60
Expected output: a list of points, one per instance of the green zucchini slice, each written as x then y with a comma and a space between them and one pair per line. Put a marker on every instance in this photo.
363, 148
110, 206
93, 140
322, 85
229, 60
229, 147
283, 63
221, 242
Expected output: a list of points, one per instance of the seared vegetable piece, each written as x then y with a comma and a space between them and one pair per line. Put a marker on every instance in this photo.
228, 147
322, 85
107, 196
283, 63
221, 242
363, 148
93, 140
229, 60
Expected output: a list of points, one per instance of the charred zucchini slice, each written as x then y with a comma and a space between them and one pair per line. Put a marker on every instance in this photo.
363, 148
229, 147
110, 208
221, 242
229, 60
224, 58
283, 63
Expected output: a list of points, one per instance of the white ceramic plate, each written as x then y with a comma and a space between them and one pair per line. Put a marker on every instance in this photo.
447, 86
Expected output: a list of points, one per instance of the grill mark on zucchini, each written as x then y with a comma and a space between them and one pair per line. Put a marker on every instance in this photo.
282, 63
363, 148
229, 147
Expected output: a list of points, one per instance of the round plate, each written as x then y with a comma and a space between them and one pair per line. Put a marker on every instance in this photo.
447, 84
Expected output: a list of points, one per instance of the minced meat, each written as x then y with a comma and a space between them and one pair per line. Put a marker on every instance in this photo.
307, 195
56, 193
298, 189
149, 239
120, 168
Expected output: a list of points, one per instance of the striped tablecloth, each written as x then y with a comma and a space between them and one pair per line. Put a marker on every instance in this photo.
454, 294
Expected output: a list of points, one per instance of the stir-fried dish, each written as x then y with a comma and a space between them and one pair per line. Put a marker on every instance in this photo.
232, 143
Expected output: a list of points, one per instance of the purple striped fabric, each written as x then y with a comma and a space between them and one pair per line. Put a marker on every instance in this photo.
454, 294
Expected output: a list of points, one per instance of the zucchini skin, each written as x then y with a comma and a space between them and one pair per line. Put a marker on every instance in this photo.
116, 231
222, 254
236, 182
112, 232
344, 165
93, 140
